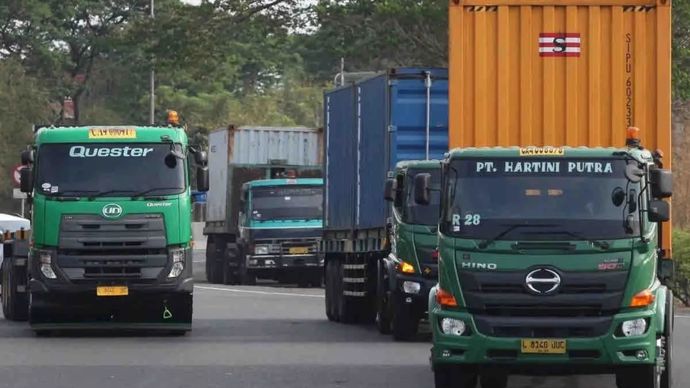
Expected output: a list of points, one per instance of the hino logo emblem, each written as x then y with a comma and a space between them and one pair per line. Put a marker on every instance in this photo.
543, 281
112, 210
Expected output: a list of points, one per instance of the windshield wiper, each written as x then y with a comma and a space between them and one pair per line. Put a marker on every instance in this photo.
144, 192
107, 192
597, 243
75, 193
510, 227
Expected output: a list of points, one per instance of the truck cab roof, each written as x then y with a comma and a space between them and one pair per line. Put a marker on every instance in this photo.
642, 155
283, 182
111, 134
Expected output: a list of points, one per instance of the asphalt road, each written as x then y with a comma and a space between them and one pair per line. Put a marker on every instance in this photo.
264, 336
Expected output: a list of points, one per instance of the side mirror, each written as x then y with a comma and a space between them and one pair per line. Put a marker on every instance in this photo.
391, 188
202, 179
659, 211
26, 180
201, 158
662, 182
27, 157
422, 186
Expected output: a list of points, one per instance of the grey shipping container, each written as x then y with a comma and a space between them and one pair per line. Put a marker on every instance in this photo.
241, 154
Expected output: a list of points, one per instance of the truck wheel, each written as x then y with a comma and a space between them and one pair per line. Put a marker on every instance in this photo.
330, 293
213, 270
405, 326
15, 305
383, 322
493, 379
667, 343
246, 277
347, 308
454, 377
643, 376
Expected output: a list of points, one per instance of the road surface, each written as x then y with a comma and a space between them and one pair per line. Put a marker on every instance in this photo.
264, 336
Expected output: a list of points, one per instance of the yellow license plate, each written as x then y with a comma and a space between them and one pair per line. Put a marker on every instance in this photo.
112, 291
544, 346
299, 250
112, 133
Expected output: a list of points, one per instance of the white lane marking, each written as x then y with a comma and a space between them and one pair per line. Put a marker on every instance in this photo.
257, 292
683, 316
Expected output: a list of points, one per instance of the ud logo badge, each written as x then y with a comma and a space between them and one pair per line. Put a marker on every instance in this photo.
112, 210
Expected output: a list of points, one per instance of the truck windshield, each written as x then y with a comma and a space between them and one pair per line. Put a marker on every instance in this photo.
422, 214
286, 203
540, 199
115, 169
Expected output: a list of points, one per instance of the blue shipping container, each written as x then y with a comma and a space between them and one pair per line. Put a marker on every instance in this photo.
370, 126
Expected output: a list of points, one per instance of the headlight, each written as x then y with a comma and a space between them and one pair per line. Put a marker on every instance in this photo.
261, 249
453, 326
178, 258
634, 328
46, 259
411, 287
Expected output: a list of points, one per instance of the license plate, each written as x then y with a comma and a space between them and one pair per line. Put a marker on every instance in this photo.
299, 250
112, 291
544, 346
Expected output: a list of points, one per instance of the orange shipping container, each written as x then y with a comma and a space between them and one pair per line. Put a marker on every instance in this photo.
560, 73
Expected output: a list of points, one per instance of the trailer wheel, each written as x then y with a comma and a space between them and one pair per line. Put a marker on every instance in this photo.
15, 305
454, 377
330, 292
347, 308
213, 270
383, 323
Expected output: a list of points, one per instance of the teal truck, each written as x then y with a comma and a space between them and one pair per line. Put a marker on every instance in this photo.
408, 273
111, 224
264, 208
280, 224
551, 263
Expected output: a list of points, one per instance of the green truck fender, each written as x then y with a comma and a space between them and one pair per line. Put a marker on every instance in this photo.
661, 296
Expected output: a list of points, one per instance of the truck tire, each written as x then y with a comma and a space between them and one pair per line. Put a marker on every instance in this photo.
667, 342
213, 269
15, 305
493, 379
405, 326
383, 321
454, 377
245, 275
330, 302
348, 309
229, 273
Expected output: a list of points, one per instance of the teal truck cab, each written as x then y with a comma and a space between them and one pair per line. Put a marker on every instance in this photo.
280, 224
407, 274
551, 263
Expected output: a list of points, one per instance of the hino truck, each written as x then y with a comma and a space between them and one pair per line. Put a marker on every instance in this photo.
554, 236
264, 207
371, 125
407, 274
111, 224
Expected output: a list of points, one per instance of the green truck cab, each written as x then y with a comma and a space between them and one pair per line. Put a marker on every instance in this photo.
550, 263
409, 272
280, 226
111, 222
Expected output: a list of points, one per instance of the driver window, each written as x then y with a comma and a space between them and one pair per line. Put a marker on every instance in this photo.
399, 191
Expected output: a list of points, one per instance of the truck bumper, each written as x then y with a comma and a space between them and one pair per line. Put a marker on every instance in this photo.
274, 263
414, 304
588, 355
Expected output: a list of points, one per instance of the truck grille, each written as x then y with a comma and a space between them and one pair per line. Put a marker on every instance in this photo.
583, 306
92, 248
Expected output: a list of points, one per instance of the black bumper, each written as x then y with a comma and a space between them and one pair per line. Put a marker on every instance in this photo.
414, 304
283, 262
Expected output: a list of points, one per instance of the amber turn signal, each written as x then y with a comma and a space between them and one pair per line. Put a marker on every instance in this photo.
445, 298
642, 299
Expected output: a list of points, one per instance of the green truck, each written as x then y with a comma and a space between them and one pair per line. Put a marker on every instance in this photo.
550, 263
408, 273
280, 224
264, 209
111, 224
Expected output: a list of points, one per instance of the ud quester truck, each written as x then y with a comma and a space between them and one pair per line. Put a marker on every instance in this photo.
554, 236
111, 224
